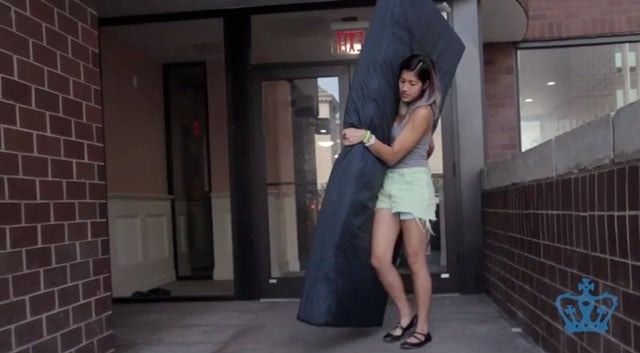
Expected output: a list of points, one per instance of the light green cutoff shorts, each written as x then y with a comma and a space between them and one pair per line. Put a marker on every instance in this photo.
409, 194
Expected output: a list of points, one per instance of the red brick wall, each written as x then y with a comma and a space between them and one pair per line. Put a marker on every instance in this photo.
500, 95
54, 253
581, 18
542, 238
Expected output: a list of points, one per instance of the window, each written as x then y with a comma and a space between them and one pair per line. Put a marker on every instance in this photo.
565, 87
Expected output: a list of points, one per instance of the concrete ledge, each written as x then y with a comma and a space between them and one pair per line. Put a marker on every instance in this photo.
602, 141
533, 164
586, 146
538, 163
499, 174
626, 133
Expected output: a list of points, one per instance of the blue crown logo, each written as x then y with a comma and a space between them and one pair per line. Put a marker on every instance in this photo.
586, 312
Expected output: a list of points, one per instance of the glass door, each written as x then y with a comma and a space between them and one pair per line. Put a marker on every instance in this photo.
302, 119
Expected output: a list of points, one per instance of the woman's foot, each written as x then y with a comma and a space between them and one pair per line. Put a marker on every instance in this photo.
416, 340
400, 331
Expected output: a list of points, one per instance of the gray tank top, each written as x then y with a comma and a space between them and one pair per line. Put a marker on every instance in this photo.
417, 157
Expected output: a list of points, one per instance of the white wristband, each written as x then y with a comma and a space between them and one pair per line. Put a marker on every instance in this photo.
372, 140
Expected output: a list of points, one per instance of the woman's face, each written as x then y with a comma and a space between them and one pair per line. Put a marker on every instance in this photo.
410, 86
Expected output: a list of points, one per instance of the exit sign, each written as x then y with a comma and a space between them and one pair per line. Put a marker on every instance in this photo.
349, 42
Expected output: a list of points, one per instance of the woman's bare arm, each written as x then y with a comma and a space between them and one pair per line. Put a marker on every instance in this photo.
420, 122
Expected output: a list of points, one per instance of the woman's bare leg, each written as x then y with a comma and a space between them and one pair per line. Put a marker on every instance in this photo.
386, 228
416, 238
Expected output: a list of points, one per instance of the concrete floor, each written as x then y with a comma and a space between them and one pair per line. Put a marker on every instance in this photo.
459, 324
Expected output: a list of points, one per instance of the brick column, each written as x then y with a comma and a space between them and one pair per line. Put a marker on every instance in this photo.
502, 123
54, 247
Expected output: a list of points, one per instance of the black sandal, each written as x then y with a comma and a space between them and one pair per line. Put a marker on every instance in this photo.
390, 337
423, 338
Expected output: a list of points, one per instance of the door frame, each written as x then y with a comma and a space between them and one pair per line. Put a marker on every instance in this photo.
284, 287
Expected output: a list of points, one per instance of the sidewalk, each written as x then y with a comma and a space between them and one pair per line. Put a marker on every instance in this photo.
460, 324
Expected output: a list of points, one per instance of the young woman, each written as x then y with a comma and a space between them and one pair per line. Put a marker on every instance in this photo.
407, 200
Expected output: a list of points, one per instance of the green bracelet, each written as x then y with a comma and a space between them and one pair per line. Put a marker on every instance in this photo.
367, 137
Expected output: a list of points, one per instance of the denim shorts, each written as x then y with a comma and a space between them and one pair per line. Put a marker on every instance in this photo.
409, 194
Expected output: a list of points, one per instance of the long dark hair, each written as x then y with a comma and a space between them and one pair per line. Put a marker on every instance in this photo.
425, 69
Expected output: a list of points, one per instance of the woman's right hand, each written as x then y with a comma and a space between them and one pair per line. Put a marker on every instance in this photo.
352, 136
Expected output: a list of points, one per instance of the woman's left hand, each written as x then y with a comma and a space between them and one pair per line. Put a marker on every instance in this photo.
352, 136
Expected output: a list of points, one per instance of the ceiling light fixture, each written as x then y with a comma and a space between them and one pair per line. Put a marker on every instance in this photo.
551, 83
325, 143
529, 100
